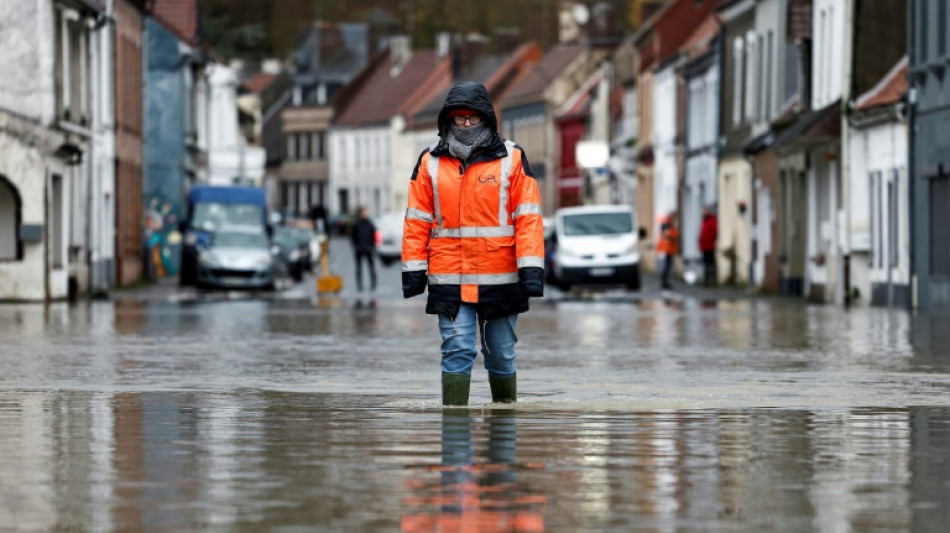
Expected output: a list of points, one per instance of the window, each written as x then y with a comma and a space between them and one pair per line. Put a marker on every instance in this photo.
57, 243
317, 145
768, 77
303, 146
72, 67
940, 226
759, 78
893, 220
877, 222
291, 147
941, 28
738, 82
10, 246
750, 76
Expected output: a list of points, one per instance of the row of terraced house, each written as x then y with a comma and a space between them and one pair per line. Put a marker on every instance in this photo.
109, 111
813, 128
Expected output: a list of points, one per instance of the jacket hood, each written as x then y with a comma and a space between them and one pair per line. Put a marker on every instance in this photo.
467, 95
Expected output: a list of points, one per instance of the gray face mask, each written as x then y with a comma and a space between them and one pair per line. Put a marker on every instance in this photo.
462, 141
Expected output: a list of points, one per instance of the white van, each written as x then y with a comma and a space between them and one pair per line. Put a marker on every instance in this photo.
595, 245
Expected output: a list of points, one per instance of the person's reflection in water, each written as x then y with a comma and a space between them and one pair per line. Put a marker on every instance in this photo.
477, 494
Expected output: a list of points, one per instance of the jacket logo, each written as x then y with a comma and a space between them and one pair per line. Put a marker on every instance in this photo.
488, 178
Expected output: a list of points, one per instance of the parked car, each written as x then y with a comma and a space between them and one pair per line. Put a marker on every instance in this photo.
389, 241
293, 248
236, 257
595, 245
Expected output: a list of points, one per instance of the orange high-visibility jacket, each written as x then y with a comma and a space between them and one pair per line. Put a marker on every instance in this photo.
473, 233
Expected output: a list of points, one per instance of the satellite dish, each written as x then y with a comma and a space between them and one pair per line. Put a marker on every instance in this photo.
581, 14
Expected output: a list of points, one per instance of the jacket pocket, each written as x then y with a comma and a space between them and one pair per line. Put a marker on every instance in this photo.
499, 256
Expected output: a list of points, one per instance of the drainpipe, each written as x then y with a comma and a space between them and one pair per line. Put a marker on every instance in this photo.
846, 86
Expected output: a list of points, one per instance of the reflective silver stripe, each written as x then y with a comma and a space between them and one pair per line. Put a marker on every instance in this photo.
526, 209
418, 214
505, 184
475, 231
473, 279
434, 177
530, 261
413, 266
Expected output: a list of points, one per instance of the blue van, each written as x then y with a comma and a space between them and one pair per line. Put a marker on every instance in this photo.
212, 207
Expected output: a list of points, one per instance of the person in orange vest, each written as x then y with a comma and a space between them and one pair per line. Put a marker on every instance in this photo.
473, 234
668, 248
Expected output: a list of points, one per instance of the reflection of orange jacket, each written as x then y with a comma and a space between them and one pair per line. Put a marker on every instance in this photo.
669, 241
470, 507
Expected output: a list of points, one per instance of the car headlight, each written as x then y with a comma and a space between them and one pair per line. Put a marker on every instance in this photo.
565, 252
632, 249
295, 255
262, 262
208, 259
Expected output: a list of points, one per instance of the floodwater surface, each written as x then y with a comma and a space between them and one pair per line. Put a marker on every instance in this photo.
633, 415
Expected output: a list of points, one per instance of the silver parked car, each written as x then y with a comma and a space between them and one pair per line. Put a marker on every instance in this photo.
237, 258
389, 241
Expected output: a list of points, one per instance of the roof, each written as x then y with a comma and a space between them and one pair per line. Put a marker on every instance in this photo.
701, 39
576, 104
258, 82
382, 93
888, 91
666, 32
494, 72
813, 126
179, 16
537, 77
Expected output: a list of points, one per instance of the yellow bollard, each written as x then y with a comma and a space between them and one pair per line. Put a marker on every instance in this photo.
327, 282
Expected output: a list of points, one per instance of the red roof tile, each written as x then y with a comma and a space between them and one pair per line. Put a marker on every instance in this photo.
698, 43
258, 82
537, 77
889, 90
179, 16
382, 94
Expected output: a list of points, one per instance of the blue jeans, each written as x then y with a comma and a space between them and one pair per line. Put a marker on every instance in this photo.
458, 343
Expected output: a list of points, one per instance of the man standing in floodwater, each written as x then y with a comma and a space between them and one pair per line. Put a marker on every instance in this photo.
473, 234
364, 246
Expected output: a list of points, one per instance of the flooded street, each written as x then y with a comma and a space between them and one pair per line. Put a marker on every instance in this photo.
655, 412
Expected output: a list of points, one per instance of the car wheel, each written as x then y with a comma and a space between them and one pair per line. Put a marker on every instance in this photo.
633, 283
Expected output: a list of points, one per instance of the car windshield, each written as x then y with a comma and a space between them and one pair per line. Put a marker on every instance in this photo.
210, 216
240, 240
290, 237
597, 224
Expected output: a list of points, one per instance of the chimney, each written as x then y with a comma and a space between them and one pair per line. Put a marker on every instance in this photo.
400, 52
443, 43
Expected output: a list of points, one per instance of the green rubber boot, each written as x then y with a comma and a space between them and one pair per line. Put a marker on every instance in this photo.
455, 388
504, 390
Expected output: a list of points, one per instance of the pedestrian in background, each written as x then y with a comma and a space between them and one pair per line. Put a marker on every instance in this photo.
708, 232
668, 248
363, 235
473, 233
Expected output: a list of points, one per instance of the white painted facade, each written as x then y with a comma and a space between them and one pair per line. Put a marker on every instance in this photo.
766, 47
54, 146
407, 145
230, 159
665, 175
700, 188
360, 169
827, 224
102, 183
879, 208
